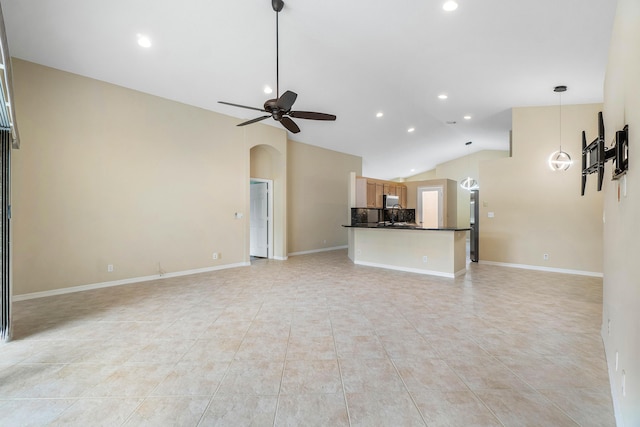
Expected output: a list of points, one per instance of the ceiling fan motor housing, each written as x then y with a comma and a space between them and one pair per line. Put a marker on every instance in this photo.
271, 107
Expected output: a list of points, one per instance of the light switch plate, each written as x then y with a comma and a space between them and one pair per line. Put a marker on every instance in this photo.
490, 214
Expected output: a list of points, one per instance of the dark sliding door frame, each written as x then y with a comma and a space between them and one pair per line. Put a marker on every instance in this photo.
5, 216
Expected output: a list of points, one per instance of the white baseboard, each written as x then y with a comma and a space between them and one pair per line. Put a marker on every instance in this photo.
121, 282
461, 272
540, 268
411, 270
313, 251
281, 258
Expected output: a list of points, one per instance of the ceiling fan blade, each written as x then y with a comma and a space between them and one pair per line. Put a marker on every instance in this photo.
311, 115
286, 100
290, 125
242, 106
253, 121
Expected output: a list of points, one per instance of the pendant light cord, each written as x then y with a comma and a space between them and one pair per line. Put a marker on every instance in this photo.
560, 95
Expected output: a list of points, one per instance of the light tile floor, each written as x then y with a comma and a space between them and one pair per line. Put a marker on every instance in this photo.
314, 340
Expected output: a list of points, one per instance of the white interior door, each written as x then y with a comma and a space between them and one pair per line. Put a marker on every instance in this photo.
259, 220
431, 207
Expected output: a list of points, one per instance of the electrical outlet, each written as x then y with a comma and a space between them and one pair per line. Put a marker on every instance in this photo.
215, 255
324, 242
424, 258
110, 268
545, 257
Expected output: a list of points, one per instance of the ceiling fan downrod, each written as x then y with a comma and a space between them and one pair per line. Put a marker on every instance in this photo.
277, 6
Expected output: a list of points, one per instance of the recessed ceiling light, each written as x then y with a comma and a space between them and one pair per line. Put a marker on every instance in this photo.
411, 130
412, 170
144, 41
450, 6
268, 90
379, 114
467, 117
442, 96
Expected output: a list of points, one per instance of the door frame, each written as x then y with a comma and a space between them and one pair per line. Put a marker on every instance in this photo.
269, 183
6, 278
440, 190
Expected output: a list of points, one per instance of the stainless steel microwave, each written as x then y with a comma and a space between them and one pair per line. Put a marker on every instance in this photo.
391, 202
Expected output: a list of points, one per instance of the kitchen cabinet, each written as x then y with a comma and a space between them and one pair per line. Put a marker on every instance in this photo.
402, 192
371, 195
379, 194
370, 192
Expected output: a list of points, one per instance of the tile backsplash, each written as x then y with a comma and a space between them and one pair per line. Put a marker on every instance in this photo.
372, 216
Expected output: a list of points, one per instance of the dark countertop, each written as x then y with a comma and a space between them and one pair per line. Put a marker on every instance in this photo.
402, 226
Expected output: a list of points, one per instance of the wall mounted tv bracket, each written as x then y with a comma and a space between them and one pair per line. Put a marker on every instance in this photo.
595, 155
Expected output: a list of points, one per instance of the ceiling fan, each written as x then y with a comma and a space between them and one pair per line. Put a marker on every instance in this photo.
280, 107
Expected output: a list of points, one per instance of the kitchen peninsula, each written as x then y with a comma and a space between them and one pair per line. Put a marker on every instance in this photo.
411, 248
389, 237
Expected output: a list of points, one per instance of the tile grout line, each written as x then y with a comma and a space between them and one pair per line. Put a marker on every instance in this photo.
344, 391
454, 372
493, 356
226, 372
404, 384
284, 362
284, 366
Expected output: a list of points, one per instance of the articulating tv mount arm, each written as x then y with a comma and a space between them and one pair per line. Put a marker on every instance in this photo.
595, 155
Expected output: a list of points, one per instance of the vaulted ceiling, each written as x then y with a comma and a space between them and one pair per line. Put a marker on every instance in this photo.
350, 58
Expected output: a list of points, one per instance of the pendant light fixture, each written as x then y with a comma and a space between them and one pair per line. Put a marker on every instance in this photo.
469, 183
560, 160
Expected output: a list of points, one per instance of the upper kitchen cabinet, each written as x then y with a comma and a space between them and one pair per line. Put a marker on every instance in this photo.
402, 193
369, 192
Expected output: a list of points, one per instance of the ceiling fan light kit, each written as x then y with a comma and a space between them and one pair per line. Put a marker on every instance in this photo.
279, 108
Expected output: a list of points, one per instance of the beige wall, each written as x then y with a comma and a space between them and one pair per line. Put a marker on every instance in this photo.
107, 175
318, 187
537, 210
621, 305
457, 170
